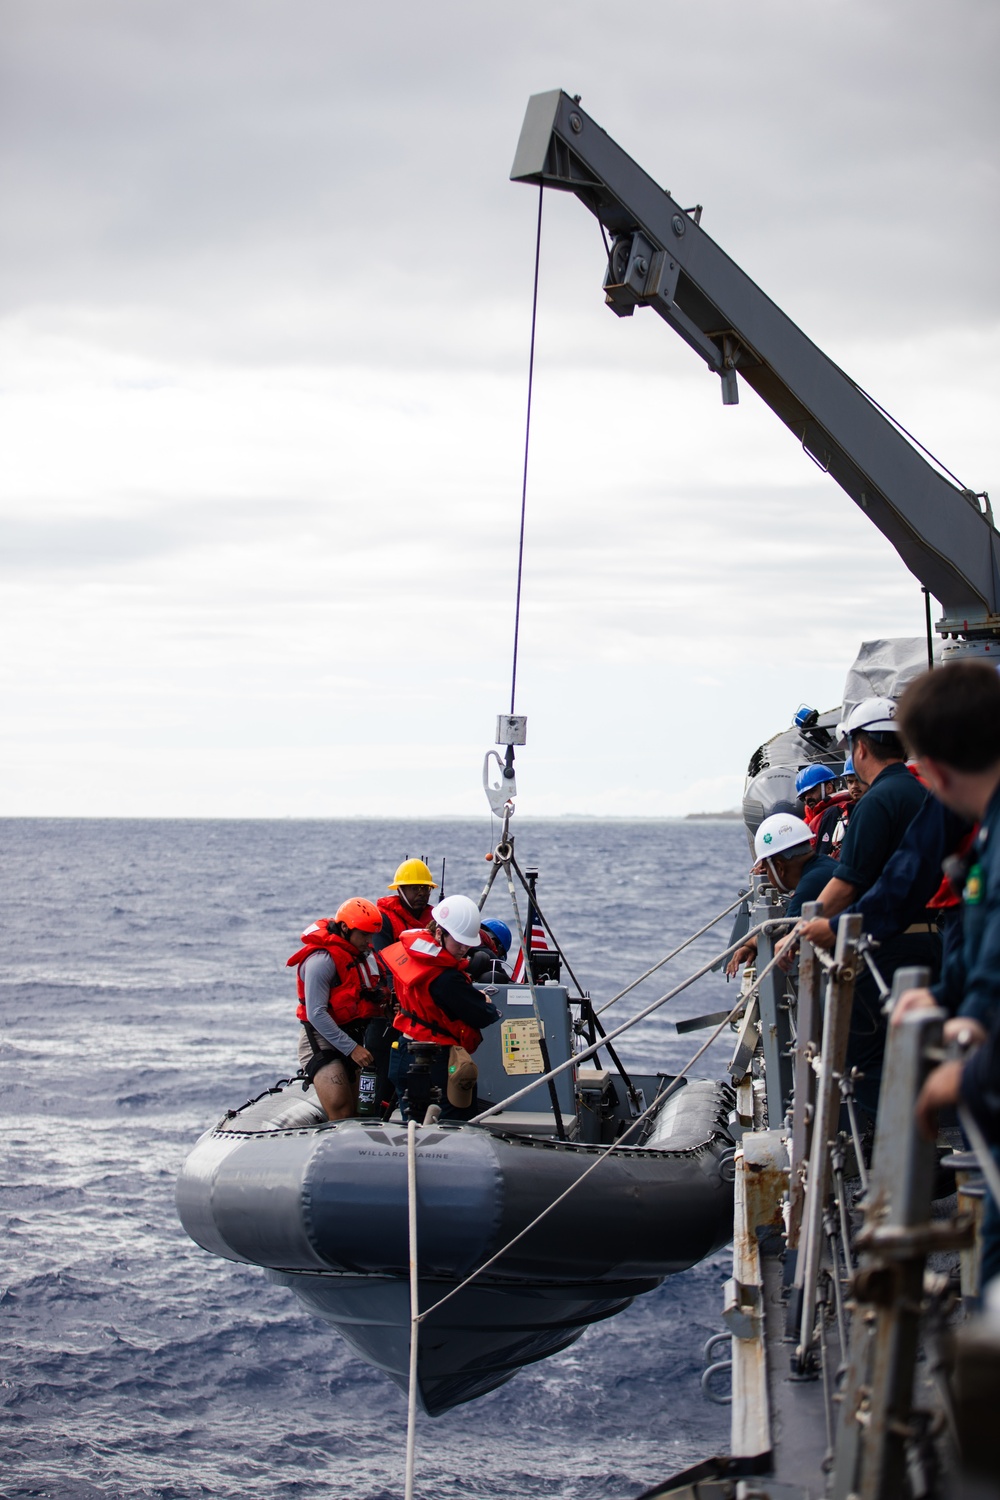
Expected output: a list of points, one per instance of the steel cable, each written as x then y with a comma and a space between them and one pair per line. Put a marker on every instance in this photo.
527, 440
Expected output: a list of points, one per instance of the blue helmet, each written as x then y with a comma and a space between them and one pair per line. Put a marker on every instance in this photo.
849, 762
811, 776
501, 932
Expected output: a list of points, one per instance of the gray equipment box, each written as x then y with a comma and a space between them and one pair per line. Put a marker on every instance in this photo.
508, 1057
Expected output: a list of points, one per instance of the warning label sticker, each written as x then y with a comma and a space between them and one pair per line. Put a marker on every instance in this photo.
521, 1050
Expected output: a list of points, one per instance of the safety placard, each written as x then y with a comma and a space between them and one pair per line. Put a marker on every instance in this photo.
521, 1050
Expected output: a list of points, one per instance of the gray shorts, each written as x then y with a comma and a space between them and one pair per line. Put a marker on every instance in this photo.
313, 1057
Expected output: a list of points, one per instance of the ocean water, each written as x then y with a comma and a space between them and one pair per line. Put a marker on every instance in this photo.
143, 991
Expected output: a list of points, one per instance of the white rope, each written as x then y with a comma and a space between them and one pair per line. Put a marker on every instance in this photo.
660, 1099
411, 1410
579, 1057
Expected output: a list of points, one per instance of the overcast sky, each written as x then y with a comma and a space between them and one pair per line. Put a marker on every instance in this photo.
266, 309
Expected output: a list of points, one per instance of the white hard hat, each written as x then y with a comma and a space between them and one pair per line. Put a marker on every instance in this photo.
459, 916
780, 832
878, 714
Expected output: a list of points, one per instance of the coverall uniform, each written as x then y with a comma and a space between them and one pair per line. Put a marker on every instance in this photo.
970, 986
877, 828
815, 874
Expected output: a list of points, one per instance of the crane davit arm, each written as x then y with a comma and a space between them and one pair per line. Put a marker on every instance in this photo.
662, 258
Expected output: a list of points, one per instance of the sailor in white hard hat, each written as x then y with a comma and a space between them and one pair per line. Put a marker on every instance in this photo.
786, 853
878, 823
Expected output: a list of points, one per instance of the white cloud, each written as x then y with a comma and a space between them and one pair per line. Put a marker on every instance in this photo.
263, 390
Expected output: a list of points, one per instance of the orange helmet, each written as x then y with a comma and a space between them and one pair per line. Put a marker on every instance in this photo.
359, 914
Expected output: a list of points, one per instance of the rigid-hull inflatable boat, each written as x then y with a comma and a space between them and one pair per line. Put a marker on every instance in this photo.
323, 1208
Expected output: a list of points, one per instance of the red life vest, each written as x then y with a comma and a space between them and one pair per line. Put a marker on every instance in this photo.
415, 961
813, 815
946, 895
401, 916
356, 995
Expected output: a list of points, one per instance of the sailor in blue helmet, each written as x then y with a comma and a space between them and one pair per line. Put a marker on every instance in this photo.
787, 855
879, 822
486, 963
951, 720
851, 783
816, 786
839, 825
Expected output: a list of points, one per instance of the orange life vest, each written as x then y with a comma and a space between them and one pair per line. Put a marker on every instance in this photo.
401, 916
414, 962
356, 996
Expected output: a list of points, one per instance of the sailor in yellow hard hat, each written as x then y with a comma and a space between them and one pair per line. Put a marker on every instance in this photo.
409, 907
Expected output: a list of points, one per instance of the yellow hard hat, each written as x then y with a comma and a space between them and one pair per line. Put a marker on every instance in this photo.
412, 872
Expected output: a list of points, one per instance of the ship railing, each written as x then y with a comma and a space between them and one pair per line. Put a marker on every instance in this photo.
853, 1312
883, 1441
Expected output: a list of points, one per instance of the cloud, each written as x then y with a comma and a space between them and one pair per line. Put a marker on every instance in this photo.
265, 312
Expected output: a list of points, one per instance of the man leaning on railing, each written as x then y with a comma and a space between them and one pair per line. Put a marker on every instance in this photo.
950, 720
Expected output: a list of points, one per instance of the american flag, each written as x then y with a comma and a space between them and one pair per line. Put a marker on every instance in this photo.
536, 941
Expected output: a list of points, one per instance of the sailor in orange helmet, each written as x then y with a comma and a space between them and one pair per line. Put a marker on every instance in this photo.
408, 907
339, 990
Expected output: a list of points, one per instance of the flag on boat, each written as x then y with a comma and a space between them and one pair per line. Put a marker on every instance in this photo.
536, 941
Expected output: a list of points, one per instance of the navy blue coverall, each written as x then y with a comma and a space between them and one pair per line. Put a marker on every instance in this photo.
970, 986
878, 826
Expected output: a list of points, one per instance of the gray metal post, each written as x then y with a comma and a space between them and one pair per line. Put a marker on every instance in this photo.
803, 1101
887, 1290
836, 1026
775, 1026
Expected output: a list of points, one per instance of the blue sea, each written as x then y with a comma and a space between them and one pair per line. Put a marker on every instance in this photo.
143, 992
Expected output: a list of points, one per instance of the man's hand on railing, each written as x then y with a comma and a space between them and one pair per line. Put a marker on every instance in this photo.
819, 932
911, 1000
940, 1089
943, 1085
786, 948
964, 1031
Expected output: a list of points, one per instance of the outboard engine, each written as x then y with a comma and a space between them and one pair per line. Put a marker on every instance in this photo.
773, 767
770, 791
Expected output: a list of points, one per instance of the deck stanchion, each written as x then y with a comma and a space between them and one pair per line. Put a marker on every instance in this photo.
411, 1199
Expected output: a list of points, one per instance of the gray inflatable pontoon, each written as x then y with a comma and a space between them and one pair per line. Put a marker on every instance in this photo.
322, 1207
